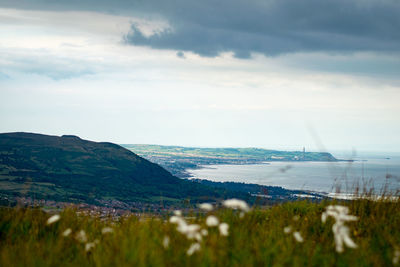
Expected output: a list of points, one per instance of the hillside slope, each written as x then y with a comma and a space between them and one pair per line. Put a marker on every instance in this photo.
69, 168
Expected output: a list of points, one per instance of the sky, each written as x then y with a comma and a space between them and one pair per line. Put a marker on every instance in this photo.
278, 74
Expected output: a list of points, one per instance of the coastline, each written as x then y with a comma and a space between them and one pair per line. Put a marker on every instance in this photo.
186, 172
339, 179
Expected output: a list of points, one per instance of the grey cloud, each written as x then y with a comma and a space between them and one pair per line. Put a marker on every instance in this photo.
269, 27
40, 63
277, 27
375, 65
180, 54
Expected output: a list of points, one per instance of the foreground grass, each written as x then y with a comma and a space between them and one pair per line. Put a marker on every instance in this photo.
257, 239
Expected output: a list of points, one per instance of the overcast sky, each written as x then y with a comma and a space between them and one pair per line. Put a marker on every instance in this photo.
278, 74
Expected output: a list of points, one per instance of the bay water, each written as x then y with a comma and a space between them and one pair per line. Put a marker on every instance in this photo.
369, 172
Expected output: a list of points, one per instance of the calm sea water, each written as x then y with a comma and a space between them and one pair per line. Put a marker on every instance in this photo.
372, 172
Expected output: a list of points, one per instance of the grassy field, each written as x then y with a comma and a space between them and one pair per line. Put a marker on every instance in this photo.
228, 153
290, 234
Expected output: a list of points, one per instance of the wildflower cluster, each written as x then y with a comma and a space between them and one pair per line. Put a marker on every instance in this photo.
200, 233
296, 234
195, 232
192, 231
80, 235
341, 232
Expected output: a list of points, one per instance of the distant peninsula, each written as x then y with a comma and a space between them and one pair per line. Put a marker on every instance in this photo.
177, 159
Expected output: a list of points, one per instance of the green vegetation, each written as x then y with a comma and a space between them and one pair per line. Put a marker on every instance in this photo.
257, 154
70, 169
256, 239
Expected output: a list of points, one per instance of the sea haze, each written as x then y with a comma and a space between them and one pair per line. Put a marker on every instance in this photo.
329, 177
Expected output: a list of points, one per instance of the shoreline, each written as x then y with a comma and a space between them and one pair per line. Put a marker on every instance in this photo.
342, 187
186, 172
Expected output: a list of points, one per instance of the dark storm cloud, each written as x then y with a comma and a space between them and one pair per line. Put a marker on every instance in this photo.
270, 27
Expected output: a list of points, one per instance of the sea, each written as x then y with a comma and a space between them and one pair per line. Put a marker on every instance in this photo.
368, 173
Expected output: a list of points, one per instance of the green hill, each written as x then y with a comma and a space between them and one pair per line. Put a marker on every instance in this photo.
68, 168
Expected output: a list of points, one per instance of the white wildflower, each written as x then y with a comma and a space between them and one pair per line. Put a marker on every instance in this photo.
396, 256
339, 213
193, 227
340, 231
177, 220
53, 219
287, 229
204, 232
298, 237
338, 208
206, 206
190, 230
107, 230
193, 248
212, 221
177, 212
198, 237
89, 246
166, 242
224, 229
67, 232
236, 204
182, 227
81, 236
